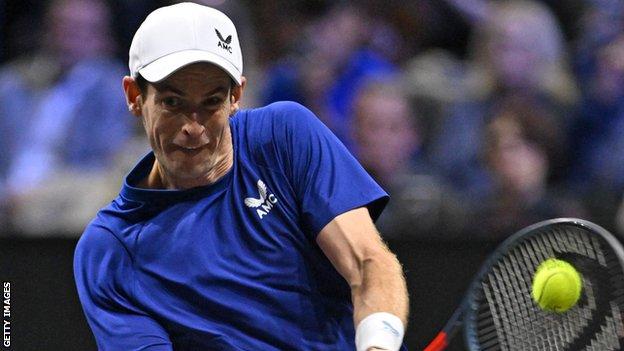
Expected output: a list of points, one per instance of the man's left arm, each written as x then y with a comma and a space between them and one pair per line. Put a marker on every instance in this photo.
378, 289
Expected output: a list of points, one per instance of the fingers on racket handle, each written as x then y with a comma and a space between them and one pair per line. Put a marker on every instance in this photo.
439, 343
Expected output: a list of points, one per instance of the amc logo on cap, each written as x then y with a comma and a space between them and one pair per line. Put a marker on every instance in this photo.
224, 43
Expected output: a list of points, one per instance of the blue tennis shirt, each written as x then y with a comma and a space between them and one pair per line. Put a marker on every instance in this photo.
233, 265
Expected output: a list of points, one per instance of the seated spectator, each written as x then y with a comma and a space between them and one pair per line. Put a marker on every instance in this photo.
336, 59
598, 147
516, 49
388, 143
63, 117
523, 147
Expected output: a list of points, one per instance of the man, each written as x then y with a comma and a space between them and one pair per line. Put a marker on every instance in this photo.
243, 229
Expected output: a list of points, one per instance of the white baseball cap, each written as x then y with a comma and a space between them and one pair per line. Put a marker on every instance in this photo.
174, 36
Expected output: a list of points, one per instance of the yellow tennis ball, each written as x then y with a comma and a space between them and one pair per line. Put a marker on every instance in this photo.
557, 285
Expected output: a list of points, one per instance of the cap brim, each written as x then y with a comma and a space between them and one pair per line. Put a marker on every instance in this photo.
165, 66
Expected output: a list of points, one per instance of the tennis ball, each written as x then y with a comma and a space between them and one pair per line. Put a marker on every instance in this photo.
556, 285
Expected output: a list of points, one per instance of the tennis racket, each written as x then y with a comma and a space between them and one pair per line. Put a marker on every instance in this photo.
498, 312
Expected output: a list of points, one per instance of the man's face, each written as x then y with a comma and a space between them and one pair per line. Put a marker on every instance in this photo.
386, 136
186, 120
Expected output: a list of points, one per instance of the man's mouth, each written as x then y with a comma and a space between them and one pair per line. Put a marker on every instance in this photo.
192, 149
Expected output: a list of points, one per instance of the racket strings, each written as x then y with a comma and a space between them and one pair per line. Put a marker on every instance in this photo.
508, 319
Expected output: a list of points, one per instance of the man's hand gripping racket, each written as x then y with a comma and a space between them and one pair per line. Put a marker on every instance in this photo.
502, 309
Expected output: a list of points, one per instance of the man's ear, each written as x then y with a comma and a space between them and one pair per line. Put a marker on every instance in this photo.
134, 100
237, 95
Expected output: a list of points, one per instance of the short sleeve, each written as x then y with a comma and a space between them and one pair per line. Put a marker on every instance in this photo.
103, 274
327, 179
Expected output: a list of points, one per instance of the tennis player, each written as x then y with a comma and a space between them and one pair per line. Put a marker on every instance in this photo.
242, 229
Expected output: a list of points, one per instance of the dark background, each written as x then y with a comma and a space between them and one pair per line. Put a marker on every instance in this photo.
46, 313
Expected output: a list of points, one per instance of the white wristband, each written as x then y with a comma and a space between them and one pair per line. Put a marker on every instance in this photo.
382, 330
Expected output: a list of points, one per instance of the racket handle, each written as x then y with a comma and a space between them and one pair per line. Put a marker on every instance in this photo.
438, 344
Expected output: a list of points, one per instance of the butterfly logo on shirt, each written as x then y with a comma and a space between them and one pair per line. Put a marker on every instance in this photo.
265, 203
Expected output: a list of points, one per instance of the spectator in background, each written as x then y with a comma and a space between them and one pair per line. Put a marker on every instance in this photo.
523, 144
600, 67
520, 48
388, 139
63, 119
598, 172
517, 50
337, 57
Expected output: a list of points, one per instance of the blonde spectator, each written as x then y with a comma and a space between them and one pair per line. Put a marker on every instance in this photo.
520, 47
517, 49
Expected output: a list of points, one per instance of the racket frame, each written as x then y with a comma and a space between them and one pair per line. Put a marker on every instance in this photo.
466, 308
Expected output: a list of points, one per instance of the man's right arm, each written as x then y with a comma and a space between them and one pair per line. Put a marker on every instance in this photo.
104, 277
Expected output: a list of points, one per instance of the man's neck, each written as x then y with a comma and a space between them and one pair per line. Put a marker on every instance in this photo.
157, 179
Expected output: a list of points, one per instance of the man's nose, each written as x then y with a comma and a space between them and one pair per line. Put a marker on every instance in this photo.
192, 127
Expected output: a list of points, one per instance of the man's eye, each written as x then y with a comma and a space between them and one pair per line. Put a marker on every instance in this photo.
172, 101
215, 100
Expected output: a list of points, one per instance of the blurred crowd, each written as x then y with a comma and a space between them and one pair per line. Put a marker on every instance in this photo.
478, 116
